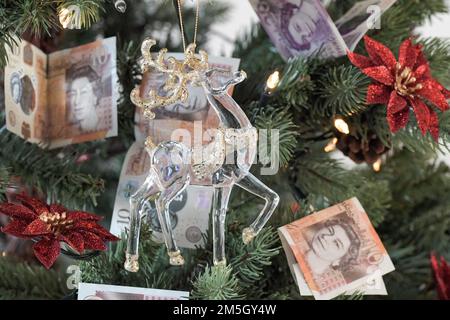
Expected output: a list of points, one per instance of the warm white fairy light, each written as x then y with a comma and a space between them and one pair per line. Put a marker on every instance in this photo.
341, 126
377, 166
273, 81
331, 146
70, 17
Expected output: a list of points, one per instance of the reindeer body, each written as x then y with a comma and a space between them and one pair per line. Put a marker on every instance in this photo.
224, 163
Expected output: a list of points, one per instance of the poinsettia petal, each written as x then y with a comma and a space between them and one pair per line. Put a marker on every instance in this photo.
421, 59
47, 251
89, 226
359, 61
434, 95
15, 228
434, 126
379, 53
93, 241
438, 278
34, 204
380, 74
81, 215
396, 103
422, 71
408, 54
17, 211
398, 120
423, 114
57, 208
37, 228
378, 94
75, 240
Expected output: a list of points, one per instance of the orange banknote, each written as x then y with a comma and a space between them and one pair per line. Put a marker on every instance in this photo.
336, 250
66, 97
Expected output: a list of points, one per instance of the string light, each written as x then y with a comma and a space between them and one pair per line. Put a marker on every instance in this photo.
377, 166
331, 146
341, 126
273, 81
70, 17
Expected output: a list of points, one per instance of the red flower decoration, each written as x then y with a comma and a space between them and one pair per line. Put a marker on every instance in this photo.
402, 84
442, 277
53, 224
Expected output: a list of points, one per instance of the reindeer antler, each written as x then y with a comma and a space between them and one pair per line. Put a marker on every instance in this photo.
180, 73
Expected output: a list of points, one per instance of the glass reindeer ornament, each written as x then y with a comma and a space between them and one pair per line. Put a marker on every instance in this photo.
224, 163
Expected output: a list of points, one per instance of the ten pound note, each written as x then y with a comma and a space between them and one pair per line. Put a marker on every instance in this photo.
66, 97
304, 27
336, 251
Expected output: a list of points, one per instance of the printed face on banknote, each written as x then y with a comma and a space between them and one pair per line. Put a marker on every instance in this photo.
337, 249
82, 100
299, 24
332, 244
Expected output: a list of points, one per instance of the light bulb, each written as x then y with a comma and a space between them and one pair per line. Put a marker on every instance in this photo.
273, 81
121, 6
70, 17
341, 126
377, 166
331, 146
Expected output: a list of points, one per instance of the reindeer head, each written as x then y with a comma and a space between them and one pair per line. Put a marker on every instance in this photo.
180, 73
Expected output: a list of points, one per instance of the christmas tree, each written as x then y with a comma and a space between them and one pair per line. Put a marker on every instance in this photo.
318, 105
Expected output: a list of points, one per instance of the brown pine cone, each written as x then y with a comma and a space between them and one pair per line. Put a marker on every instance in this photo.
361, 150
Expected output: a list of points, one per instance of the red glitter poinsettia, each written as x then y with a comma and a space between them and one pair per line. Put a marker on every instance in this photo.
402, 84
52, 224
441, 276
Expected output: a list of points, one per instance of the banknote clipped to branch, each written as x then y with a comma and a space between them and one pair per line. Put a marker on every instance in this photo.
62, 98
336, 251
304, 27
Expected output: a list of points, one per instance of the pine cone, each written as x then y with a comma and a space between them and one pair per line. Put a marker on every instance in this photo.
359, 149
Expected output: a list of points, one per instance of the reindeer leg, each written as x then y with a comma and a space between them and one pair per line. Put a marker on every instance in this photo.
255, 186
162, 207
137, 202
220, 206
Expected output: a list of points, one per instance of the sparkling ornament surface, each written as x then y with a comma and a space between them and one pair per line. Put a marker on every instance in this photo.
402, 85
120, 6
222, 164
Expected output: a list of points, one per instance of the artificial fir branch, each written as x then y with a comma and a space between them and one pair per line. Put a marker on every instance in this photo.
217, 283
20, 280
54, 173
280, 120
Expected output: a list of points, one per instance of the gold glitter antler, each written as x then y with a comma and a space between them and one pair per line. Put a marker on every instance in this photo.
180, 74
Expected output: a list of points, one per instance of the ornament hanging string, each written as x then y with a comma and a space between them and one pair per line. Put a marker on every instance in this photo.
178, 6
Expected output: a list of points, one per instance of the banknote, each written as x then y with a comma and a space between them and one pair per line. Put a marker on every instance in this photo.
337, 251
300, 28
93, 291
304, 27
374, 284
362, 17
62, 98
189, 212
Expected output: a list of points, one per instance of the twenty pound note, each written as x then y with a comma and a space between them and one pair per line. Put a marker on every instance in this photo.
304, 27
336, 251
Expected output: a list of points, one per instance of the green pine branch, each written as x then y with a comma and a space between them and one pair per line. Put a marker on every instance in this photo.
20, 280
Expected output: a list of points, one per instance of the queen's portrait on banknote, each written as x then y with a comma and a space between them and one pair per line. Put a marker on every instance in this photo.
83, 94
298, 23
333, 244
